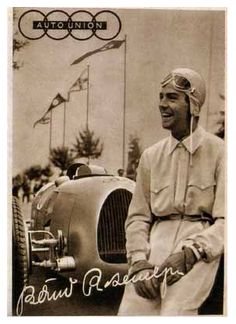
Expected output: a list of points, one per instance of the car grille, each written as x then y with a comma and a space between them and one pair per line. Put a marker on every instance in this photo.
111, 232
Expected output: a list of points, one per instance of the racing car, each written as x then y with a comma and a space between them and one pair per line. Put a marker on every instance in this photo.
77, 224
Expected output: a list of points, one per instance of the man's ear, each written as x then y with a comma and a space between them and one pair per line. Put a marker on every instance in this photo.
194, 110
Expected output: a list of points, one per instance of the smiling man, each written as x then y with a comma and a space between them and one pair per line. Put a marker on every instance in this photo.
176, 216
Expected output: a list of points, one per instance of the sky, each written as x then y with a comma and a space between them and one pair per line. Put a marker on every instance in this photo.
157, 42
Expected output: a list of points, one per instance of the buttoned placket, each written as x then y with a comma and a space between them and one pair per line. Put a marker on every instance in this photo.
181, 177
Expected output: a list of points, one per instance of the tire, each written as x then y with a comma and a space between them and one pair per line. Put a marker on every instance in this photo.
19, 253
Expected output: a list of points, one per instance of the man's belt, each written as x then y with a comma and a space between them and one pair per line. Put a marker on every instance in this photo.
191, 218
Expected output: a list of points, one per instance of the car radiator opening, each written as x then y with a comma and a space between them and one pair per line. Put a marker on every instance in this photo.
111, 232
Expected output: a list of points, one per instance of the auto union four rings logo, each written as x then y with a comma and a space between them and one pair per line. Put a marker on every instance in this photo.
58, 24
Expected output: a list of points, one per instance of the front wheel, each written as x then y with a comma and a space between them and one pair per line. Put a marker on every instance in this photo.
20, 260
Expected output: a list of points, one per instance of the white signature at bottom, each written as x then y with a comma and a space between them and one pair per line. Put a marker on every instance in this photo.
28, 295
91, 281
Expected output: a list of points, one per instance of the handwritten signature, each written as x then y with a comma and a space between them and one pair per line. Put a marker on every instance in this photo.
116, 280
91, 281
28, 295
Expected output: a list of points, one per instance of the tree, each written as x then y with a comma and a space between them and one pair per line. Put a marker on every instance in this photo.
47, 171
16, 185
61, 157
18, 43
34, 172
221, 125
221, 121
87, 146
34, 176
133, 157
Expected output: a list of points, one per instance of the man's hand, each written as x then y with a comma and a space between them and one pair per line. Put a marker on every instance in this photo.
145, 284
146, 288
177, 265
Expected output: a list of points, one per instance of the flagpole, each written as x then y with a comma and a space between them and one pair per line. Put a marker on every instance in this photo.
124, 107
50, 133
64, 124
87, 111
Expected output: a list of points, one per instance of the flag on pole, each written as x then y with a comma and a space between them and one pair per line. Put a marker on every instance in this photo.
81, 83
57, 100
110, 45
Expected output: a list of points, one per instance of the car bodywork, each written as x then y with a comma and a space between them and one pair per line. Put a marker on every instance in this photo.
78, 224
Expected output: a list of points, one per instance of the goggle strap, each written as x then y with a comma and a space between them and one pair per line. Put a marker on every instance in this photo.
167, 80
191, 141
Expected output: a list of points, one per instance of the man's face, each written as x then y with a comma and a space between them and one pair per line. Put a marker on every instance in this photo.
174, 109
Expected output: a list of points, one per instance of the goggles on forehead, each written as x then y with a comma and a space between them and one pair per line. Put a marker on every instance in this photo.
180, 82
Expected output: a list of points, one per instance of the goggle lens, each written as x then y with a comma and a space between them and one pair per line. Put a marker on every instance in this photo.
180, 82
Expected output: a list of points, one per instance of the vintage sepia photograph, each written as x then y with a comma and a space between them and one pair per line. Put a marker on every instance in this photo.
117, 136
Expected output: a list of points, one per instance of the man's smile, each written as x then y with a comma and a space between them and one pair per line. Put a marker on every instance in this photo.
166, 115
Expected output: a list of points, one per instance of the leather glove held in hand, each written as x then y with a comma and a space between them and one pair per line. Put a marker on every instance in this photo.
145, 288
180, 262
138, 266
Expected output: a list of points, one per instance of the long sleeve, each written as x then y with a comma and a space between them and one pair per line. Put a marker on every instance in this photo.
212, 238
139, 216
